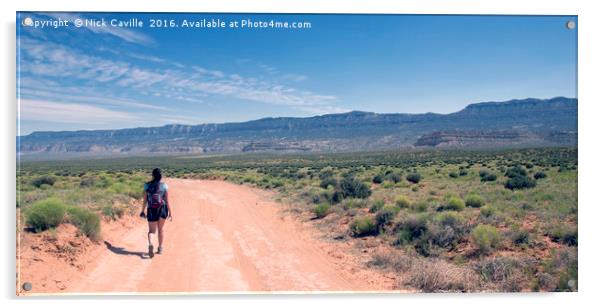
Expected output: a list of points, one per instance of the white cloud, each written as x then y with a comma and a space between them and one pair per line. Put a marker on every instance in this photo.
46, 111
184, 84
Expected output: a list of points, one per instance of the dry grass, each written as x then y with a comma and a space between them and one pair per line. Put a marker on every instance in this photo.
434, 275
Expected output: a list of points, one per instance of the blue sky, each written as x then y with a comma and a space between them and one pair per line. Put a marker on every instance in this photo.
111, 77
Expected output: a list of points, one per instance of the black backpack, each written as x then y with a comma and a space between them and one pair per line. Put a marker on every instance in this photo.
154, 196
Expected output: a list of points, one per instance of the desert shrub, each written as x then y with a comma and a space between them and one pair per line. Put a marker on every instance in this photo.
563, 234
350, 187
487, 211
328, 181
363, 226
486, 238
321, 210
410, 229
453, 204
414, 177
377, 205
403, 202
45, 214
563, 264
354, 203
474, 200
386, 215
463, 172
516, 171
43, 180
520, 182
87, 182
484, 173
520, 237
451, 219
118, 188
395, 261
420, 206
495, 269
433, 275
489, 178
111, 211
393, 177
453, 174
377, 179
508, 273
86, 221
540, 175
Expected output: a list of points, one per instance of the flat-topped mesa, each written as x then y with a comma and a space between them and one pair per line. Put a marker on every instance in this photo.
528, 122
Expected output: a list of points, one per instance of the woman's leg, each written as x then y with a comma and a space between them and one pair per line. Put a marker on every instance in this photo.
152, 228
161, 223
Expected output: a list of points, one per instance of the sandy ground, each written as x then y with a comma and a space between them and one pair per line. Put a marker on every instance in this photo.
223, 238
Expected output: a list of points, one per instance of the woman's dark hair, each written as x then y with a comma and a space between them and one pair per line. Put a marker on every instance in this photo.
153, 185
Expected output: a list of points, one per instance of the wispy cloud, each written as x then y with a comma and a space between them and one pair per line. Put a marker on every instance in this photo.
63, 80
70, 113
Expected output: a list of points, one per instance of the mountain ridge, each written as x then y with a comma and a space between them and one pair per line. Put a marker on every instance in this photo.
536, 118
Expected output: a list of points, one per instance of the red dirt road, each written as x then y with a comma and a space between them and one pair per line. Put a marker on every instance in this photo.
223, 238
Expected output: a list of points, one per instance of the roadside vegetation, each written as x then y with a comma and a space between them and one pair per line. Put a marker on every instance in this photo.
458, 221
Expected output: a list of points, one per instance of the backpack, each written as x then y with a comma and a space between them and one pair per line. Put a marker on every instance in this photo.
154, 197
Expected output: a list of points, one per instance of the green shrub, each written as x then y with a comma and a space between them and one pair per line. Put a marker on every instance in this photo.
520, 182
487, 211
363, 226
516, 171
86, 221
520, 237
321, 210
410, 229
451, 219
463, 172
420, 206
486, 238
350, 187
403, 202
483, 173
563, 234
377, 179
393, 177
489, 178
354, 203
453, 204
386, 215
453, 174
414, 177
113, 212
474, 200
87, 182
43, 180
377, 205
540, 175
45, 214
329, 181
118, 188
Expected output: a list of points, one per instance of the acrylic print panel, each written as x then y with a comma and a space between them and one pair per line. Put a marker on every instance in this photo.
245, 153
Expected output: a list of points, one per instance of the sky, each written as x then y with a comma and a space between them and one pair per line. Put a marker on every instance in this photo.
106, 77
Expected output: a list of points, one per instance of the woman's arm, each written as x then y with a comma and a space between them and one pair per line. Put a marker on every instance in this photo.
168, 207
143, 205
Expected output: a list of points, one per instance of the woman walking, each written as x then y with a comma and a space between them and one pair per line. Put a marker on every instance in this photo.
156, 204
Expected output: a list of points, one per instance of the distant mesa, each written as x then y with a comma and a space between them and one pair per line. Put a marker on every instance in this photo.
520, 122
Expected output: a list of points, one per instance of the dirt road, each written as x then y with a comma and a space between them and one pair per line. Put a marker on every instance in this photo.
223, 237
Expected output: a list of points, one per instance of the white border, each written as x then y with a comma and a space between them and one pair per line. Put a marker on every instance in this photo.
590, 171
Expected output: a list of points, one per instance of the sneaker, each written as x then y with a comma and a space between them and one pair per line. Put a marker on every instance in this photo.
151, 252
159, 250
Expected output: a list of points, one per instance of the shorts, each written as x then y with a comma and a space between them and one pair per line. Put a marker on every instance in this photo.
155, 214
